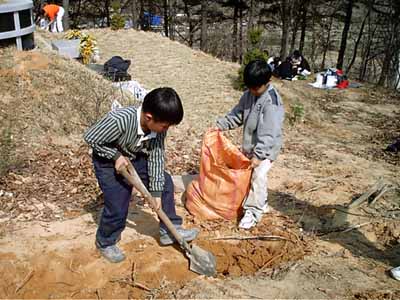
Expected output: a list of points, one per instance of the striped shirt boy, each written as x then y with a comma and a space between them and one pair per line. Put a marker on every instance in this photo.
119, 133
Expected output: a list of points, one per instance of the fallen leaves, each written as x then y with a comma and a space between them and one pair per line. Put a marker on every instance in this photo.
58, 180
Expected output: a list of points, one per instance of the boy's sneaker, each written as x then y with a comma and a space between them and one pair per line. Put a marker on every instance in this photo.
266, 209
248, 221
187, 234
395, 272
111, 253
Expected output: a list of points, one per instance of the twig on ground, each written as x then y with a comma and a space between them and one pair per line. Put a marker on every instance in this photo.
380, 194
140, 285
25, 281
74, 293
301, 217
377, 187
356, 226
354, 214
317, 187
83, 290
253, 237
133, 272
297, 237
347, 229
132, 284
71, 269
261, 270
254, 297
65, 283
98, 294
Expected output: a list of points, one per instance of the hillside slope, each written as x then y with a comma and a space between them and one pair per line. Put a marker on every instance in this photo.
331, 155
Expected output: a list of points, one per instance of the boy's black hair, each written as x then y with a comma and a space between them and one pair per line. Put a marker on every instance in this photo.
296, 54
256, 73
164, 105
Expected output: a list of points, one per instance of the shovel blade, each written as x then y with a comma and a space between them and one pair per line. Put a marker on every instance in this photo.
201, 261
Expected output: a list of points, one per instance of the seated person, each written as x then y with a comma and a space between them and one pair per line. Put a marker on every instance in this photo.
274, 62
300, 64
285, 69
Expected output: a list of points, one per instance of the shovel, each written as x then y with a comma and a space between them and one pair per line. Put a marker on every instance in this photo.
201, 261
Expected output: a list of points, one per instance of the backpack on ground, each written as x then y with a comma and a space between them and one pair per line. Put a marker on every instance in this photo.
116, 69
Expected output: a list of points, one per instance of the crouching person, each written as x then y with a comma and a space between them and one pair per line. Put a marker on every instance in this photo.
260, 111
136, 134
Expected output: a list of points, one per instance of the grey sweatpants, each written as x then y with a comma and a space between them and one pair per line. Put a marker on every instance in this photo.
257, 197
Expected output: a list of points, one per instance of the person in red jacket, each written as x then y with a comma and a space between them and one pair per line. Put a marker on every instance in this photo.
55, 14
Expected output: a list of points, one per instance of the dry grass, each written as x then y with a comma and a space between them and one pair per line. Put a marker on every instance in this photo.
51, 95
51, 98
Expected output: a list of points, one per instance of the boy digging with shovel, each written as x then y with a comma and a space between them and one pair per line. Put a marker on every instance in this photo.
137, 135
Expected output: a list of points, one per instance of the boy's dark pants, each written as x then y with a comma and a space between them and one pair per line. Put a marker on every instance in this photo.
117, 195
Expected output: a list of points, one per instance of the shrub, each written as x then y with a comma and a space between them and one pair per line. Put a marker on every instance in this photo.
117, 22
296, 113
253, 53
7, 148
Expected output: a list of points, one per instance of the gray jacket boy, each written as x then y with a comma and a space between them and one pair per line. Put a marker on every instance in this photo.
262, 119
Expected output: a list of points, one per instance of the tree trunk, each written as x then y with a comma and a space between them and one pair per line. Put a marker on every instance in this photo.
303, 26
286, 11
107, 12
394, 70
294, 36
250, 21
385, 67
189, 36
74, 19
166, 18
134, 14
392, 73
313, 42
241, 36
387, 59
235, 34
203, 35
366, 50
358, 42
326, 46
66, 14
343, 43
171, 23
141, 15
363, 68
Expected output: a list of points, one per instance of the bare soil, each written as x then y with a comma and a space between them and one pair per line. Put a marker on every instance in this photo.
50, 201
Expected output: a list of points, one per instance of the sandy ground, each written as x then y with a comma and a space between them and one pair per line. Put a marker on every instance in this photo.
332, 156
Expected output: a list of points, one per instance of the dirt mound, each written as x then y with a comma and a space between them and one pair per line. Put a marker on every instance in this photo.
76, 270
266, 247
44, 95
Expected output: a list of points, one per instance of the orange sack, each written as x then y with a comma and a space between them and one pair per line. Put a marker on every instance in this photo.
223, 182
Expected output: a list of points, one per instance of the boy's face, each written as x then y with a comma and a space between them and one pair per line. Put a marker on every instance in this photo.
149, 124
258, 90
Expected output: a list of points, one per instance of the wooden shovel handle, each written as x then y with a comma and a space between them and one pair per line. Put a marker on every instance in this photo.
133, 178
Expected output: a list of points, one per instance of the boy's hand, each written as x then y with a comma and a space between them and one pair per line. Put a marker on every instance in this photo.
255, 162
157, 201
120, 163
